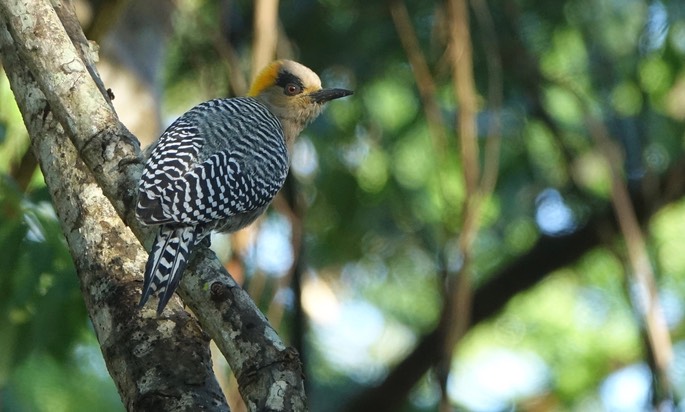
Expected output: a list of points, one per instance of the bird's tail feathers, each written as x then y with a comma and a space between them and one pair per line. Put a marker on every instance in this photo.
168, 259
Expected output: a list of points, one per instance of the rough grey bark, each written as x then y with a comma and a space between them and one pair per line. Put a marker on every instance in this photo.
156, 366
269, 374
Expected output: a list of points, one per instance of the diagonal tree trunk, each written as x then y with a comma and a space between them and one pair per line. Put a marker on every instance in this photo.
106, 256
157, 363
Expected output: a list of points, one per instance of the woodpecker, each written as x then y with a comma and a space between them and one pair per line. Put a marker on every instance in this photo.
219, 165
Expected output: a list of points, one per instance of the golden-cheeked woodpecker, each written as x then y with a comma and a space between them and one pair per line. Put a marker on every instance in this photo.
219, 165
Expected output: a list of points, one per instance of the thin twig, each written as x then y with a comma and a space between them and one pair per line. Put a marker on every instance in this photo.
293, 213
455, 316
461, 56
493, 61
422, 75
459, 289
645, 296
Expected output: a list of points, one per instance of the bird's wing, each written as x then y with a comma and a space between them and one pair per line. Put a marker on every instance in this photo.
170, 158
180, 184
217, 188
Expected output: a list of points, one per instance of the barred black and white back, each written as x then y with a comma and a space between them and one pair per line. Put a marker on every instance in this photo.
216, 167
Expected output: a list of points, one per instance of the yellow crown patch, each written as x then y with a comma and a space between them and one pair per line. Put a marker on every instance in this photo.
266, 78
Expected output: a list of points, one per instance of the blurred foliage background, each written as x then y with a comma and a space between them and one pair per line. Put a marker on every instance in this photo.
350, 264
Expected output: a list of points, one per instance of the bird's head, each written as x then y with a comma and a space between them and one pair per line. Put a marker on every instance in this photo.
293, 93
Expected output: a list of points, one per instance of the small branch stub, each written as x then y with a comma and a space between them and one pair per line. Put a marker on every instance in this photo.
218, 292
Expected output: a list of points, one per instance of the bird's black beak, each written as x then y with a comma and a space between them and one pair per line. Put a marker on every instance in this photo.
325, 95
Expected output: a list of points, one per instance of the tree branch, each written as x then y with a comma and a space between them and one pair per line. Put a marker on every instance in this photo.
106, 254
422, 75
269, 374
646, 300
265, 34
456, 314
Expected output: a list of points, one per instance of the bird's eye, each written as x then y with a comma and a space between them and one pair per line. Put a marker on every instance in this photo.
291, 89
